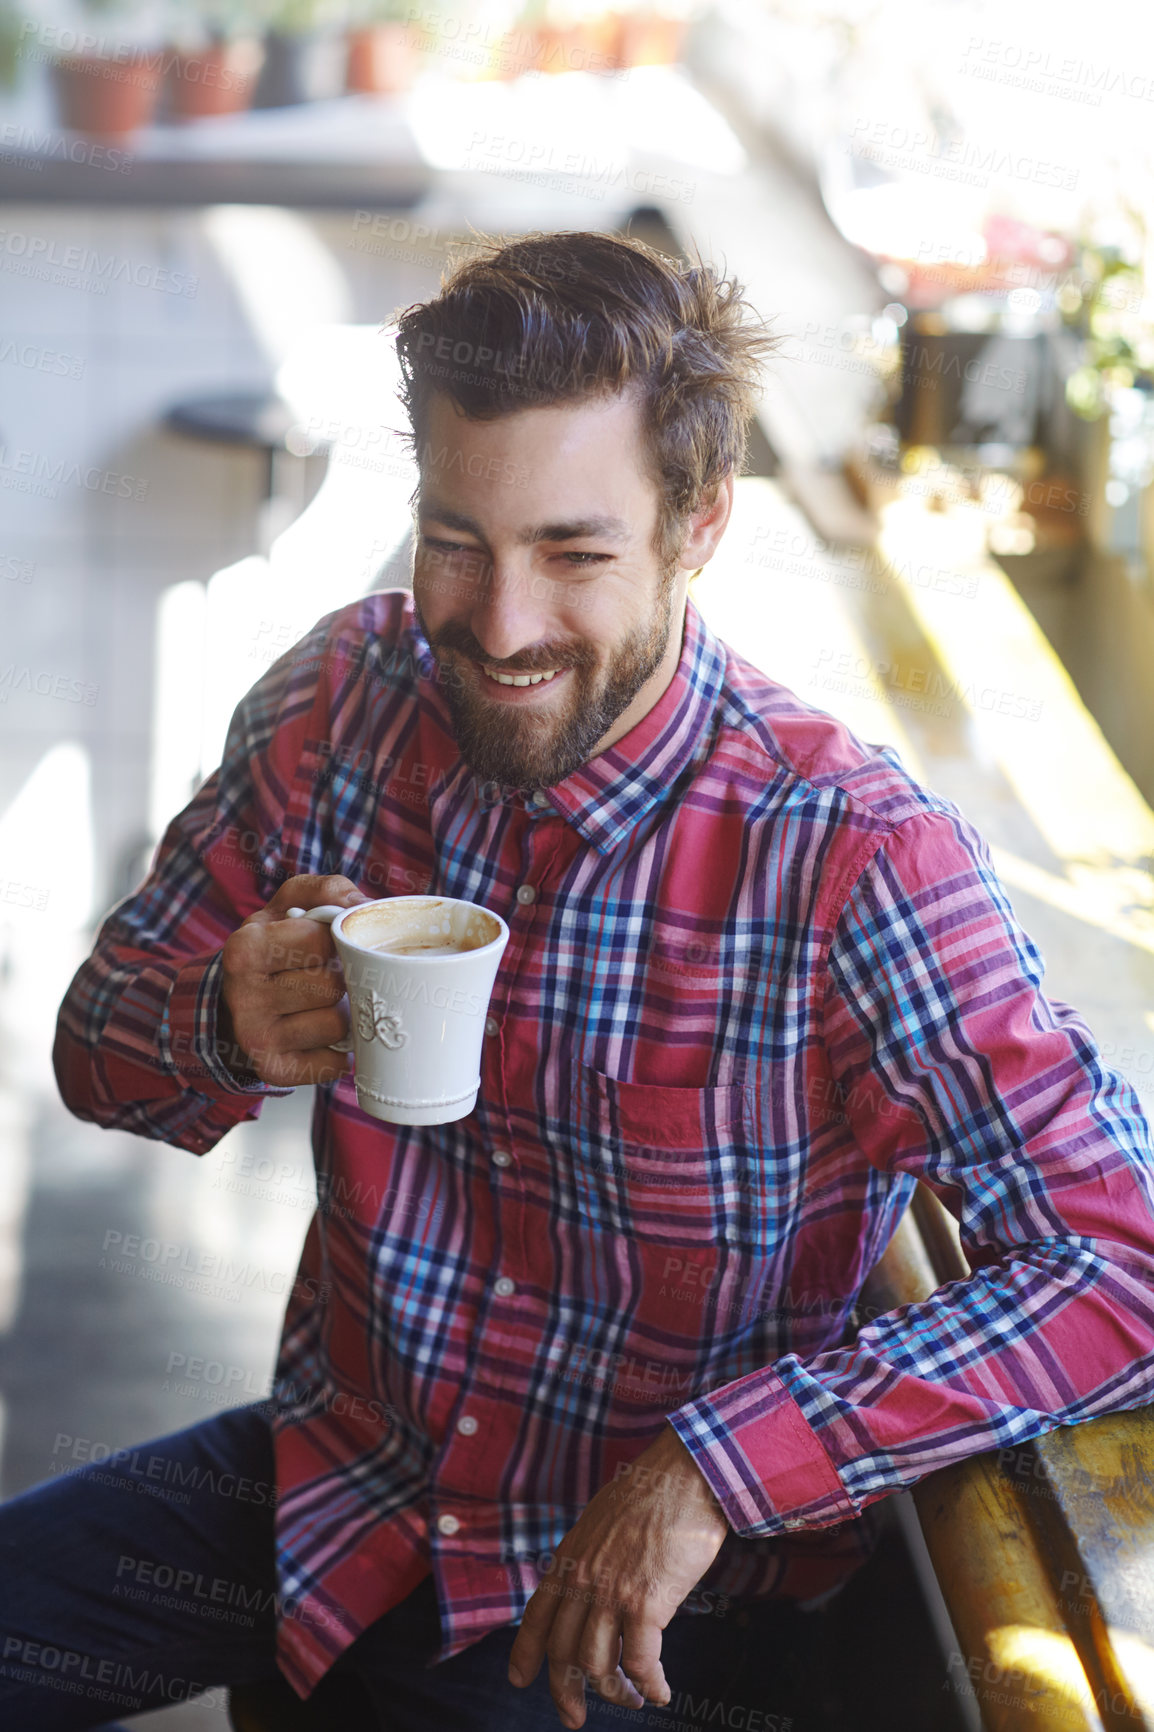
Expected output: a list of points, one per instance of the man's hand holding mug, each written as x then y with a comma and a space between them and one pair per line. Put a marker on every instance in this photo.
282, 989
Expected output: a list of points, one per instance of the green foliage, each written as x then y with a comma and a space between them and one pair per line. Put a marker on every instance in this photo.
299, 17
11, 66
363, 14
195, 20
1110, 310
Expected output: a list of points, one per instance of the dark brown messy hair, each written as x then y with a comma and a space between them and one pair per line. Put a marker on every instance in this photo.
555, 318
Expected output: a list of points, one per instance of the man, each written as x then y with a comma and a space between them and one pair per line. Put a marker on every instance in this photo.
587, 1359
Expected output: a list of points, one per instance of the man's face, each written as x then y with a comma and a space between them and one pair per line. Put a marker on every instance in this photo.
534, 556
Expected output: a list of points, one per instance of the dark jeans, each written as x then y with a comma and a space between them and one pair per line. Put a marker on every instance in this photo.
120, 1592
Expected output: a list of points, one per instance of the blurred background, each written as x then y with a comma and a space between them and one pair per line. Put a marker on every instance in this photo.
209, 213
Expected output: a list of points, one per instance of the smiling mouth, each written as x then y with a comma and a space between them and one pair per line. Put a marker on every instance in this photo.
503, 679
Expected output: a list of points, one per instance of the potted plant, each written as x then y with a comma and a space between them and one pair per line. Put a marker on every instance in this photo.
549, 38
306, 53
567, 36
215, 59
381, 55
596, 40
1109, 310
650, 35
11, 36
520, 50
109, 90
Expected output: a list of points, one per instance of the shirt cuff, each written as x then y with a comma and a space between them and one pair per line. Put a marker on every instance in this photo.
761, 1458
191, 1037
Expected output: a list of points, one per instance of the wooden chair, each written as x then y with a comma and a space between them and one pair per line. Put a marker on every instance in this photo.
1044, 1554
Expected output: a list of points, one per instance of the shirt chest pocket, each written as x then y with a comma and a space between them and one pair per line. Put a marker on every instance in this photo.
673, 1166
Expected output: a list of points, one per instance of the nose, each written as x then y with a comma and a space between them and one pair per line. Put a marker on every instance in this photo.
509, 612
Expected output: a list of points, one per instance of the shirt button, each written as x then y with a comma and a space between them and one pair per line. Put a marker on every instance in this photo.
526, 894
467, 1424
502, 1158
503, 1286
491, 1025
447, 1524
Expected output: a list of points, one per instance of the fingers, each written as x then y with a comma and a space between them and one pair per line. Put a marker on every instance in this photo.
641, 1660
293, 1049
600, 1659
566, 1672
310, 890
590, 1645
282, 988
290, 1070
613, 1686
308, 1032
268, 947
586, 1651
293, 990
579, 1632
263, 947
528, 1649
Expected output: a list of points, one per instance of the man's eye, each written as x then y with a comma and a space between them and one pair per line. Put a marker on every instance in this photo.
449, 546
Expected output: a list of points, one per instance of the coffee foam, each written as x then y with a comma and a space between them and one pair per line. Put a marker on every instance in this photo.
420, 947
420, 926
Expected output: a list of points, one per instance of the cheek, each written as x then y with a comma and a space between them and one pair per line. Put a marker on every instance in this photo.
605, 620
584, 620
436, 589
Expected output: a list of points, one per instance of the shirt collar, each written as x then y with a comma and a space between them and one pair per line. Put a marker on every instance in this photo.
608, 795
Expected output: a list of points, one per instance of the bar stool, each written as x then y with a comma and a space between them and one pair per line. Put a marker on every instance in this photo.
256, 421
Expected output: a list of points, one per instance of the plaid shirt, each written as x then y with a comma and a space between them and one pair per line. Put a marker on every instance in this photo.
759, 982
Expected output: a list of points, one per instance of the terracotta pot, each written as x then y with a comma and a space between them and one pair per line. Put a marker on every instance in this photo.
556, 48
648, 39
220, 79
107, 99
541, 48
519, 51
513, 55
381, 60
597, 41
590, 45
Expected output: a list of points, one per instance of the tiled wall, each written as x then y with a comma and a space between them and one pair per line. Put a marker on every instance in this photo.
101, 509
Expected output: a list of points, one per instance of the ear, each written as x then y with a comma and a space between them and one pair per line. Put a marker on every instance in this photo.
706, 526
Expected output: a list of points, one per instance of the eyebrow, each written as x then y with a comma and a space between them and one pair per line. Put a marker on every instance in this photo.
569, 529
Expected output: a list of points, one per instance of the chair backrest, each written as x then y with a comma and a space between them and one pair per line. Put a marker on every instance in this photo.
998, 1582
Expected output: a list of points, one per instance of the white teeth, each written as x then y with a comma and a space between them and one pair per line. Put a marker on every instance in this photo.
520, 679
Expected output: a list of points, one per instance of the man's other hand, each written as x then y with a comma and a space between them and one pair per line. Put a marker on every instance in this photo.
282, 986
639, 1547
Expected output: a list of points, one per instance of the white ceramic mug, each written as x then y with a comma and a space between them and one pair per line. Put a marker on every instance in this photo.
419, 972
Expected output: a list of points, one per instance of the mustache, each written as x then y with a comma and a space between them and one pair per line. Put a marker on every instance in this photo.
534, 661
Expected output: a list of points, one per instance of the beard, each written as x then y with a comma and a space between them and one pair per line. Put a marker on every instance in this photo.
530, 749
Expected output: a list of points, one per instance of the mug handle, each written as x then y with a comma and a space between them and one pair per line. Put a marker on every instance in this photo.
326, 914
